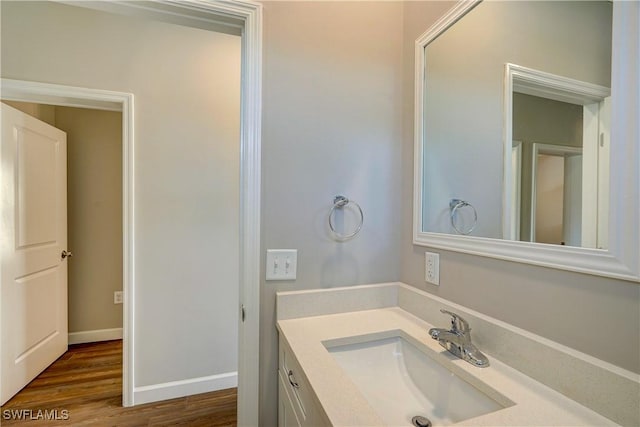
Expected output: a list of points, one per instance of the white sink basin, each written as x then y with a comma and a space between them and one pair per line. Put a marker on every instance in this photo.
400, 381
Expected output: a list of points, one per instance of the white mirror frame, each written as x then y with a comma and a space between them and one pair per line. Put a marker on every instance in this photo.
622, 259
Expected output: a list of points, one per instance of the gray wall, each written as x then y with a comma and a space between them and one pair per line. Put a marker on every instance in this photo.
186, 167
94, 215
332, 124
546, 121
464, 92
573, 309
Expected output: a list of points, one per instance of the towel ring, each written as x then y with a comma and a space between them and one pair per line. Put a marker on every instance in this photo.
340, 202
456, 204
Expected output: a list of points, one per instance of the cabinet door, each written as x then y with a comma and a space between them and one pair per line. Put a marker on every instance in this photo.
286, 414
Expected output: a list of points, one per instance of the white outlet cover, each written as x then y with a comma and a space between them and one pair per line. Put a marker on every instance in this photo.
432, 268
118, 297
282, 264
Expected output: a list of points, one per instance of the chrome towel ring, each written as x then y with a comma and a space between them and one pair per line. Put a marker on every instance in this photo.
339, 202
456, 204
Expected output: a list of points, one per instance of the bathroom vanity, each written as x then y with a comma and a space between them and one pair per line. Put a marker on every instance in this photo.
297, 404
362, 356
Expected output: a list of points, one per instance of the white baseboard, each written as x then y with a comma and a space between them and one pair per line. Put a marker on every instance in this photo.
95, 336
173, 389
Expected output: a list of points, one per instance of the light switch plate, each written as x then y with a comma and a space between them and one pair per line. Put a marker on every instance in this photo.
281, 264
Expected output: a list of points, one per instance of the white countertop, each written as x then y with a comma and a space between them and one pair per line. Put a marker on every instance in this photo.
344, 405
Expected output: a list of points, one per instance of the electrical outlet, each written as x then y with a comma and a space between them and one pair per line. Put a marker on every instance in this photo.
117, 297
432, 268
282, 264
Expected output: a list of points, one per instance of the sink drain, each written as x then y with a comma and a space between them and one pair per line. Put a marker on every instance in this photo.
420, 421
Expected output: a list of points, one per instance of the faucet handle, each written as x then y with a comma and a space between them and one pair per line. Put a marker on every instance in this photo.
458, 324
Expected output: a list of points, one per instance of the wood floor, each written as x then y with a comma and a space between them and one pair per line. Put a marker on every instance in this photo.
86, 382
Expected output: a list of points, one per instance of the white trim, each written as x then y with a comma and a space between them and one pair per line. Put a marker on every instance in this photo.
170, 11
65, 96
460, 9
556, 150
551, 86
590, 132
174, 389
622, 259
95, 336
516, 191
128, 252
250, 181
19, 90
603, 145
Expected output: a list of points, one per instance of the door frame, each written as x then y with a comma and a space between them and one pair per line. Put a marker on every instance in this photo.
242, 17
516, 189
544, 85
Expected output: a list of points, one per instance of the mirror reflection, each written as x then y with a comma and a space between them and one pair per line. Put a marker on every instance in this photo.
531, 164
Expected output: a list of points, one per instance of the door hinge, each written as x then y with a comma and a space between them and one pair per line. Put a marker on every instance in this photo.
242, 312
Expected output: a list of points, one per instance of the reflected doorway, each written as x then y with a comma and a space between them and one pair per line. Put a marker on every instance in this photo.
559, 183
556, 195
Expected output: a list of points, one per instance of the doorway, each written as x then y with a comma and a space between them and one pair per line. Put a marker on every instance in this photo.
96, 106
94, 217
556, 194
554, 120
245, 18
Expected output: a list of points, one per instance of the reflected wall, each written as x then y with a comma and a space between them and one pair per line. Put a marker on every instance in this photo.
464, 143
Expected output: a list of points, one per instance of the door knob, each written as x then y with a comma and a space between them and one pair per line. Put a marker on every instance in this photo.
66, 254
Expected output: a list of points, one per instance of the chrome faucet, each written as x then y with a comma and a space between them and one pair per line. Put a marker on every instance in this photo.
458, 340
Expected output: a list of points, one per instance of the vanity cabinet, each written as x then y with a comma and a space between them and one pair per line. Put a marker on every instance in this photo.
297, 406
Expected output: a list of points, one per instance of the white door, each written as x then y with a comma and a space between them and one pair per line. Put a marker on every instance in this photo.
33, 225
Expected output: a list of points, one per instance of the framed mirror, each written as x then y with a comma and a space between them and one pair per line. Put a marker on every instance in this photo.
527, 135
